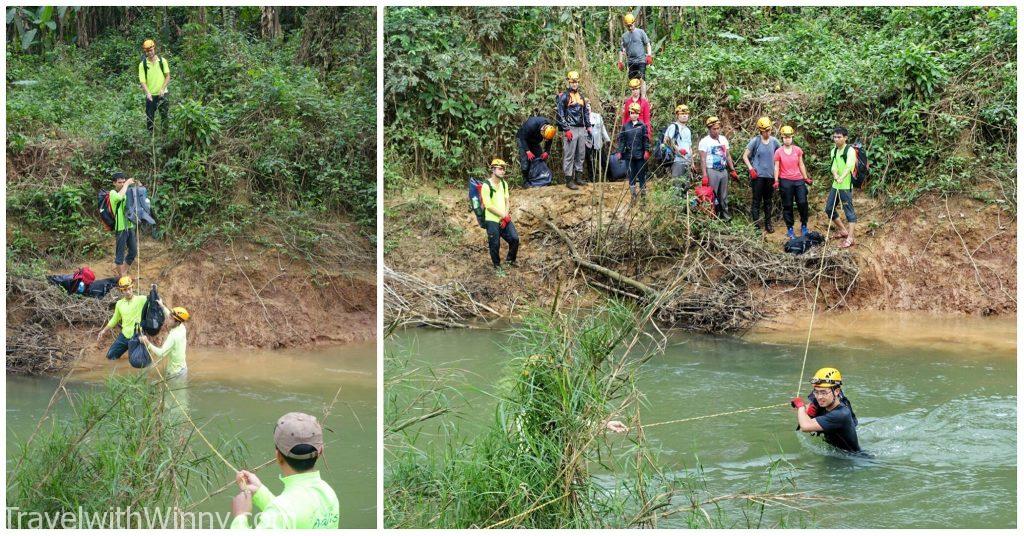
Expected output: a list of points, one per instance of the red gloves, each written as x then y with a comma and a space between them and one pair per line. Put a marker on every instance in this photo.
621, 66
807, 180
618, 155
735, 176
647, 155
812, 410
544, 156
650, 59
505, 221
776, 185
683, 152
529, 155
753, 173
797, 402
568, 135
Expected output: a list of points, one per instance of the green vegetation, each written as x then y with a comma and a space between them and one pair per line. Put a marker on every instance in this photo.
932, 90
272, 117
125, 445
545, 460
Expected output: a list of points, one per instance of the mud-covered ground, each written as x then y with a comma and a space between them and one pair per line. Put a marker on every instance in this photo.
921, 258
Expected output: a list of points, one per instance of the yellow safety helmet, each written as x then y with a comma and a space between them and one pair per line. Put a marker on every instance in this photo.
763, 123
786, 130
634, 83
572, 76
711, 120
124, 283
148, 44
635, 107
628, 19
827, 377
180, 313
497, 162
548, 131
682, 109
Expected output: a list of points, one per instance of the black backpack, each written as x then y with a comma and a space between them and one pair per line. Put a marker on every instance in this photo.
138, 354
152, 314
861, 170
801, 244
106, 210
159, 61
617, 168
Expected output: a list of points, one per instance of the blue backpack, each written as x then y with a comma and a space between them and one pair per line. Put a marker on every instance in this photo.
476, 204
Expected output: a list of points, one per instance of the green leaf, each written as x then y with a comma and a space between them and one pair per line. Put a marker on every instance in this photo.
27, 39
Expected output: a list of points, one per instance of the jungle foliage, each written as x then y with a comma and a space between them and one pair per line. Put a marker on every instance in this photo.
272, 118
931, 90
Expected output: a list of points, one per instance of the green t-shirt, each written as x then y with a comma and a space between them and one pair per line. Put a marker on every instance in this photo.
497, 201
119, 205
173, 349
153, 77
307, 502
844, 168
129, 314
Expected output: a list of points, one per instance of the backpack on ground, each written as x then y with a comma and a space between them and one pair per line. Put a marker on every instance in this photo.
617, 168
538, 174
85, 275
861, 170
138, 355
152, 314
106, 210
801, 244
100, 287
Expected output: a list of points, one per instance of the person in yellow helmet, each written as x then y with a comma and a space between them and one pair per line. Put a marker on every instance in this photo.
574, 121
154, 75
173, 347
635, 98
127, 313
635, 51
717, 165
534, 139
680, 139
827, 411
307, 502
634, 149
759, 156
498, 219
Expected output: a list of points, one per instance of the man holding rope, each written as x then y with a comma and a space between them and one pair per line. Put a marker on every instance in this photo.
307, 502
828, 412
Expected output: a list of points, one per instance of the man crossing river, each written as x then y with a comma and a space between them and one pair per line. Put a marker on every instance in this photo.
828, 412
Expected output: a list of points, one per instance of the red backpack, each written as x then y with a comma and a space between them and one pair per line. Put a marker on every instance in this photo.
85, 275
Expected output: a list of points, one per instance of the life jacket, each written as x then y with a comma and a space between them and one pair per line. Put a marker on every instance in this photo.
106, 210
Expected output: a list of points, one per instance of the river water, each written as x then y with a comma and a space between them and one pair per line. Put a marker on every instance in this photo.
242, 393
936, 398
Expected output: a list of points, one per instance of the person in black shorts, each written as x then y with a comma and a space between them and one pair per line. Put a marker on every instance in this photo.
828, 412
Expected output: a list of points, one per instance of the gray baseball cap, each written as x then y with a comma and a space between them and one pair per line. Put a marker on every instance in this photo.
294, 429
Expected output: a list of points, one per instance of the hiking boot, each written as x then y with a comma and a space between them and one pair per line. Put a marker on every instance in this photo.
570, 183
768, 227
803, 230
789, 233
581, 180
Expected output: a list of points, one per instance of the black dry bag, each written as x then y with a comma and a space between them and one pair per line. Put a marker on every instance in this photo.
538, 174
138, 355
152, 314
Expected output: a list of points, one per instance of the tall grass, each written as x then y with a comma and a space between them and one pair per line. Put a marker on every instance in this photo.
126, 445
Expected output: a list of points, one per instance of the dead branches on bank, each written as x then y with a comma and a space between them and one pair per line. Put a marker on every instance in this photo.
411, 301
704, 281
35, 309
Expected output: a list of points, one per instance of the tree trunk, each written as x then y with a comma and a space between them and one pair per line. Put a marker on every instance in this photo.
201, 18
270, 23
82, 26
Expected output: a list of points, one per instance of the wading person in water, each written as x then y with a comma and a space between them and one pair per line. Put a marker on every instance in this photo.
828, 412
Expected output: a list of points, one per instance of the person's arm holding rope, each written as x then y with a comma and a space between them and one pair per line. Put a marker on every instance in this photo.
806, 423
